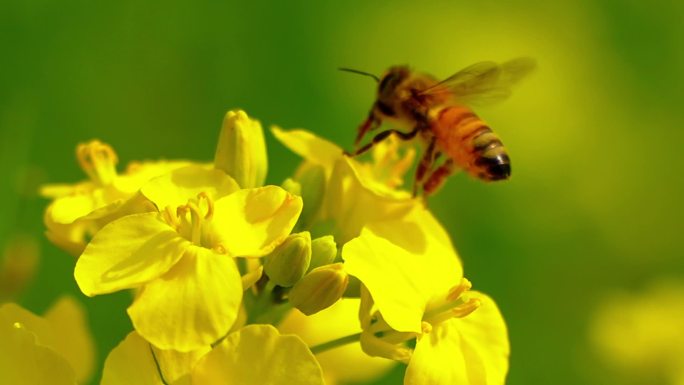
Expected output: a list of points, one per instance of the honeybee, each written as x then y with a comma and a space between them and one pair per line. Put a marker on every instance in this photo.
439, 112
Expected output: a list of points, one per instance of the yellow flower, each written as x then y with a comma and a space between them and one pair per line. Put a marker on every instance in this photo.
414, 279
135, 361
181, 258
355, 193
641, 334
79, 210
259, 355
54, 349
343, 364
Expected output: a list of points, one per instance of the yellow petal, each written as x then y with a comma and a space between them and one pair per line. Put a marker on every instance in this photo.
58, 190
253, 222
72, 336
38, 326
352, 203
131, 363
127, 252
67, 239
472, 350
174, 364
339, 320
139, 173
258, 355
178, 186
23, 361
192, 305
67, 209
404, 264
310, 147
63, 329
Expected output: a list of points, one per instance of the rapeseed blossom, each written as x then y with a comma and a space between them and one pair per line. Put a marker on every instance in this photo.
340, 254
414, 288
79, 210
56, 348
181, 258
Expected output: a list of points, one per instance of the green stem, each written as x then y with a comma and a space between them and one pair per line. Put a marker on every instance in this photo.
335, 343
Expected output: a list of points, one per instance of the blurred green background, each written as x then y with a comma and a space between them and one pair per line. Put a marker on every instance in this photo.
595, 135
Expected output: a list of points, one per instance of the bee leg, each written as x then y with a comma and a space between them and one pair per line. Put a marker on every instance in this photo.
382, 136
425, 164
370, 124
436, 179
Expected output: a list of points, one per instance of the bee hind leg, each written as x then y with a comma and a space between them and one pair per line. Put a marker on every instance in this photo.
436, 179
426, 163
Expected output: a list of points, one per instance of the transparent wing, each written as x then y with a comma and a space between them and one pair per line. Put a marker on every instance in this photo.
484, 82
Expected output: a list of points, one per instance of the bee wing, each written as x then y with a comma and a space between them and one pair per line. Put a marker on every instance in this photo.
484, 82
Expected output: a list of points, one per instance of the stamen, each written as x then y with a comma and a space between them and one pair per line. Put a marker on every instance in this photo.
426, 327
169, 218
191, 228
203, 196
195, 220
454, 305
401, 167
466, 308
459, 289
98, 160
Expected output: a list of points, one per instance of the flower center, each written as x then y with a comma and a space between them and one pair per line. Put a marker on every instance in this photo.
452, 306
191, 218
379, 339
98, 160
389, 166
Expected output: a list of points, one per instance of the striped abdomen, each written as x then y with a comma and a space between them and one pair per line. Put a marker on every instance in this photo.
471, 143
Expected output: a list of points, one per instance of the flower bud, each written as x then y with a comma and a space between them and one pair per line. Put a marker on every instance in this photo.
311, 178
292, 186
323, 251
288, 263
241, 150
319, 289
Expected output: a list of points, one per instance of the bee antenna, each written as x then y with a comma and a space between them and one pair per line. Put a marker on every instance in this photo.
360, 73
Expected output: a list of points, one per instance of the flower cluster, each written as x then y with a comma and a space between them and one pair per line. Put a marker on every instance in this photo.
332, 276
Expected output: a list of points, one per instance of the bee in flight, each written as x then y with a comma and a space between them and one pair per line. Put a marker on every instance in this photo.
439, 112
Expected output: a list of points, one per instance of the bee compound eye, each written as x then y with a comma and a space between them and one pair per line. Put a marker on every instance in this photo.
384, 108
385, 82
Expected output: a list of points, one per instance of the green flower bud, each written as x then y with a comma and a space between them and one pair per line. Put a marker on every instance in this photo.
323, 251
241, 150
319, 289
292, 186
311, 178
288, 263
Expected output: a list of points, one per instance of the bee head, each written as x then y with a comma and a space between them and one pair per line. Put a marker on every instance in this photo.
391, 79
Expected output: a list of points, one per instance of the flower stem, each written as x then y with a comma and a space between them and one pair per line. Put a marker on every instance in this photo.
335, 343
